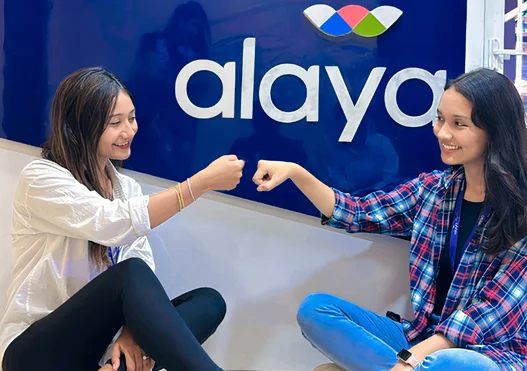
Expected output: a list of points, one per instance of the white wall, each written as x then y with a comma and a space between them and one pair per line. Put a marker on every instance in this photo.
263, 260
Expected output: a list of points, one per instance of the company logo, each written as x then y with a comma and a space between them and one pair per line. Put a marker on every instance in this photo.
310, 77
352, 18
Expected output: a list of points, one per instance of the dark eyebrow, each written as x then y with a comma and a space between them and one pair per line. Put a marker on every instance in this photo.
457, 116
120, 114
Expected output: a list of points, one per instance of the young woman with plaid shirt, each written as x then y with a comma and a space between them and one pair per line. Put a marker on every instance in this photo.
468, 255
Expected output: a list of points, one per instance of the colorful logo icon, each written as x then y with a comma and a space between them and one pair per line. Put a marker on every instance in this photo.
352, 18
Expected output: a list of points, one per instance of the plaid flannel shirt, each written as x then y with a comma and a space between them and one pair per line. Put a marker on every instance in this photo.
486, 307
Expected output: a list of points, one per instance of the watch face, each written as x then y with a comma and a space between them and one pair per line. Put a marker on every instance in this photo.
404, 354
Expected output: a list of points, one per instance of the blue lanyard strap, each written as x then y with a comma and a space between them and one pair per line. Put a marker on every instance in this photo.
454, 234
113, 259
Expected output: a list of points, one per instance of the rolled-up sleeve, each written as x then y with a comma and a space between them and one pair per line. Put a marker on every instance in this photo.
379, 212
57, 203
139, 215
140, 248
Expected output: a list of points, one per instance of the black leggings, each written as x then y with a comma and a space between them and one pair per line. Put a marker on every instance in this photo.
76, 335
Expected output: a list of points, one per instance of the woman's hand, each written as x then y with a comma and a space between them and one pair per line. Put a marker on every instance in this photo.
270, 174
135, 361
222, 174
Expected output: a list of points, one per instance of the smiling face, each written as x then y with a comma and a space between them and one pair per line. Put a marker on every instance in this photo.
115, 142
460, 140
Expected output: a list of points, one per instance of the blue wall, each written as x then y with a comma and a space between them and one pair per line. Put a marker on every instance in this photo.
147, 43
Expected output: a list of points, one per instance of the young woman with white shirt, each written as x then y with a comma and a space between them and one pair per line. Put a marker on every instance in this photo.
83, 292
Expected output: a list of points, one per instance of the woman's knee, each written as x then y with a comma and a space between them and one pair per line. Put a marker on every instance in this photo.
134, 264
214, 301
314, 309
133, 270
457, 359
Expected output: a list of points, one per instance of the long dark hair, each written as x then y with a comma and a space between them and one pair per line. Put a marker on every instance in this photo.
498, 109
80, 112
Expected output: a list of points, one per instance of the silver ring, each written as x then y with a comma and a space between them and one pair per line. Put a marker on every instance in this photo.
145, 358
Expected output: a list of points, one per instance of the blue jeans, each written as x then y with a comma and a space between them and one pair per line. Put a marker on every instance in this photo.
357, 339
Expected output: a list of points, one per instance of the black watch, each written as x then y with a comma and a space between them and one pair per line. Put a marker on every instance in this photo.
408, 358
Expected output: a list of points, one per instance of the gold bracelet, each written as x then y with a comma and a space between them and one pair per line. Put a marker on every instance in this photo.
174, 188
182, 201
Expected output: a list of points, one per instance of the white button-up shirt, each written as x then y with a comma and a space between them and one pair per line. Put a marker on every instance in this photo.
54, 217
